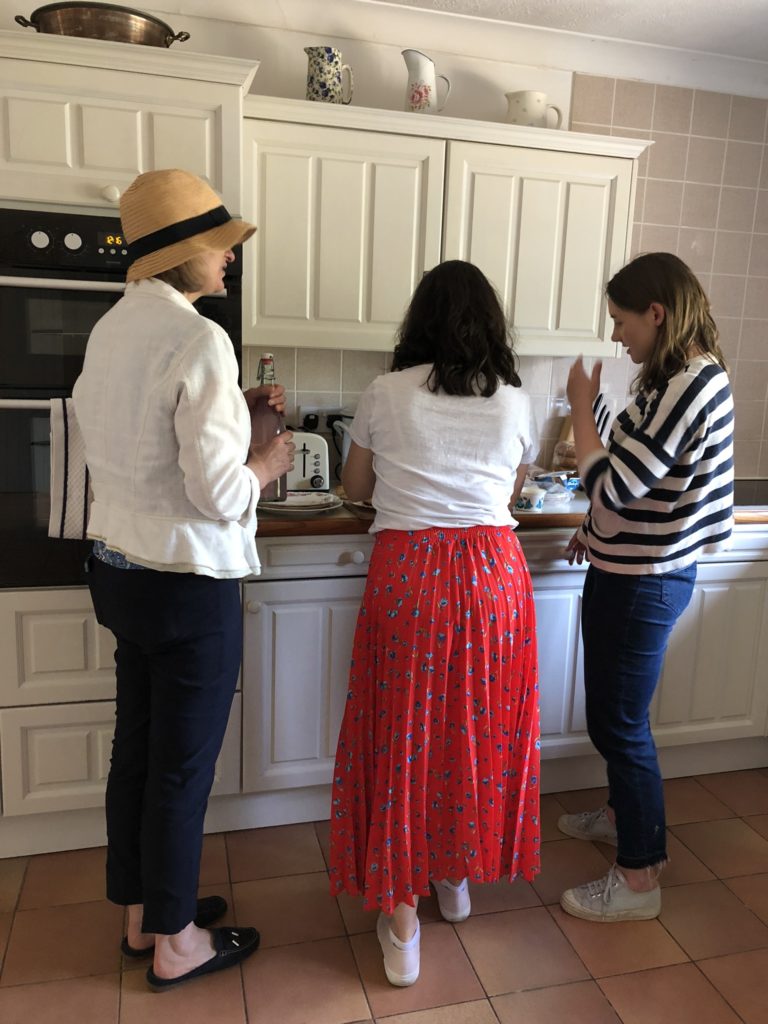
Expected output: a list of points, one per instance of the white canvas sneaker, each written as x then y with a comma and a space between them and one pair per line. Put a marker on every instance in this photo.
611, 899
453, 900
589, 825
401, 959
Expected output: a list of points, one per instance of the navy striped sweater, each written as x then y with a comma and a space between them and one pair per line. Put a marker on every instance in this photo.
663, 491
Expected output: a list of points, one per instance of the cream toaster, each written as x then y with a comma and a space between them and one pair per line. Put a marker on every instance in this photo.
310, 466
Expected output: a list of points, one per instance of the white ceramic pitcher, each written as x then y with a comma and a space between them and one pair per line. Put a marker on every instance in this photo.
421, 94
531, 108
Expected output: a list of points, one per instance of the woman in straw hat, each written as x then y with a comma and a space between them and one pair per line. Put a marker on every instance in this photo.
173, 517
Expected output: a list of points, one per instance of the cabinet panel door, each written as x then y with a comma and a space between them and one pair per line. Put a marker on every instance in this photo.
298, 645
348, 222
548, 229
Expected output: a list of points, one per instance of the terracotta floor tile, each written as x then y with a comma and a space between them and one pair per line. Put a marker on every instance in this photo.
729, 847
271, 852
579, 1003
41, 946
576, 800
746, 792
6, 920
743, 980
477, 1012
759, 822
520, 949
11, 877
620, 947
566, 863
323, 833
687, 800
53, 879
752, 890
213, 863
707, 919
683, 866
499, 896
94, 1000
446, 974
298, 908
310, 981
670, 994
218, 998
551, 809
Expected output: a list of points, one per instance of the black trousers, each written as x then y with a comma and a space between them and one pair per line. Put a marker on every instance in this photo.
179, 646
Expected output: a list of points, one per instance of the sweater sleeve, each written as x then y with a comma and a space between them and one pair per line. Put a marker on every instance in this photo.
212, 425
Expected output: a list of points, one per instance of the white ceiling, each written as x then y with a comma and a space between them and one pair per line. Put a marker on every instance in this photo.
734, 28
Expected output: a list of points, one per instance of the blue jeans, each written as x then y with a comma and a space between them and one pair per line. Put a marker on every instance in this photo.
626, 622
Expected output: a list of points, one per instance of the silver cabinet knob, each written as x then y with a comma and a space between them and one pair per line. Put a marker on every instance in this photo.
253, 607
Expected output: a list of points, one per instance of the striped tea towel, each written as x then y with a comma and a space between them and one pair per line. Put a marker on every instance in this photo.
70, 480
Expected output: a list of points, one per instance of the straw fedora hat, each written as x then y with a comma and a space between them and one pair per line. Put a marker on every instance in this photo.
170, 216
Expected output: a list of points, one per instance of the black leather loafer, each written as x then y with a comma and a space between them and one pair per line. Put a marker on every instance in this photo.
232, 945
209, 909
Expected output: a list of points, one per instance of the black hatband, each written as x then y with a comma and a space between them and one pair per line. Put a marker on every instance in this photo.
178, 232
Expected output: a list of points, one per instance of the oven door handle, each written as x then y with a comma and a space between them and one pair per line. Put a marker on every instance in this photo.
59, 284
25, 403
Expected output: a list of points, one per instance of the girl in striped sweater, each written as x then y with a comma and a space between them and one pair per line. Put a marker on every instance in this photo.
660, 493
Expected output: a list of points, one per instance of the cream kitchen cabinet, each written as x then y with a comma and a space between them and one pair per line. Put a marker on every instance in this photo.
347, 223
353, 205
80, 118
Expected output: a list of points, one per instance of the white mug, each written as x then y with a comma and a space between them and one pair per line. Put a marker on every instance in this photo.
531, 108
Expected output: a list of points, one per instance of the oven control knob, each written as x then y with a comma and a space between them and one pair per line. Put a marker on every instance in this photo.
40, 239
73, 242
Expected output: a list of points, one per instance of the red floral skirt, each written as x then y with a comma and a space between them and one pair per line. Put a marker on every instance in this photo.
437, 765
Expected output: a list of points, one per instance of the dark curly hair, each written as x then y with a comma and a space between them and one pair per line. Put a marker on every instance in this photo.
456, 322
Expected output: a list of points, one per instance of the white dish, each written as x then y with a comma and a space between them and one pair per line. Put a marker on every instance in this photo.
300, 503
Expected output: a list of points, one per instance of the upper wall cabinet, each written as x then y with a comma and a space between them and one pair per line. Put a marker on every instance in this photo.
352, 205
76, 126
347, 223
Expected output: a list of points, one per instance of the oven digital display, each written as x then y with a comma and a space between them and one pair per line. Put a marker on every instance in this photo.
108, 238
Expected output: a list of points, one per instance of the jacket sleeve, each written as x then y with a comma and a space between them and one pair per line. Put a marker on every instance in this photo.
213, 429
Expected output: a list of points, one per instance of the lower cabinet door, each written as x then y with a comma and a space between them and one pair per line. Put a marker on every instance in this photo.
56, 757
297, 650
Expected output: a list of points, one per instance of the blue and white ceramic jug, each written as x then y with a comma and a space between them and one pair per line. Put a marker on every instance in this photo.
325, 75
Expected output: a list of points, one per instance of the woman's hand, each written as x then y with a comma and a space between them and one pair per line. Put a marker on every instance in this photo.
274, 392
576, 550
582, 390
270, 460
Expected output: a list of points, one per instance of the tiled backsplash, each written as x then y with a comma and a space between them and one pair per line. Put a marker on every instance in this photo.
702, 193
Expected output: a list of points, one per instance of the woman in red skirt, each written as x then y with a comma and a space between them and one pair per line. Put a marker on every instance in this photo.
437, 767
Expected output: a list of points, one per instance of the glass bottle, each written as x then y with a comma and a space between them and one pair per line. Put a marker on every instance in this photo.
266, 422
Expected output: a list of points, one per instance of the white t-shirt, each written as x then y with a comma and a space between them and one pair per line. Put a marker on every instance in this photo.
442, 460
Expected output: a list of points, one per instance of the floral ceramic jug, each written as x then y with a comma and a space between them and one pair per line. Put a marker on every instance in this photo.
531, 108
325, 75
421, 94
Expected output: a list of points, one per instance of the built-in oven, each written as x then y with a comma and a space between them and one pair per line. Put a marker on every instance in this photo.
59, 273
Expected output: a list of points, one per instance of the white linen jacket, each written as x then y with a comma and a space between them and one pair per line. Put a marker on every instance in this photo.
166, 431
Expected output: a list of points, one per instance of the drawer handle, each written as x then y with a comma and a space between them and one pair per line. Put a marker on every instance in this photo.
358, 557
253, 607
111, 193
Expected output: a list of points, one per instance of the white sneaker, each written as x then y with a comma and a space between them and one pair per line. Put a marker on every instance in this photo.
453, 900
589, 825
401, 959
611, 899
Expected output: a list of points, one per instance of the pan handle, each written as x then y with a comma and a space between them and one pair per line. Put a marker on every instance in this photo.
180, 37
25, 22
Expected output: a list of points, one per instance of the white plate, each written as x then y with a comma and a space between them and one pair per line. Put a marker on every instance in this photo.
299, 503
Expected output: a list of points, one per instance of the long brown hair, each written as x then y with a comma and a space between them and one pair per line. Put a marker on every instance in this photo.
663, 277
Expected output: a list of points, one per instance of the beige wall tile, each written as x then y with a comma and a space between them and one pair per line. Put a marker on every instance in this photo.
730, 330
758, 261
659, 238
592, 99
754, 339
672, 109
742, 164
749, 421
635, 246
756, 304
726, 293
762, 469
637, 133
731, 252
764, 175
705, 161
761, 212
358, 369
711, 113
750, 381
696, 247
737, 209
633, 104
590, 129
700, 205
318, 369
667, 156
536, 374
746, 458
663, 202
748, 117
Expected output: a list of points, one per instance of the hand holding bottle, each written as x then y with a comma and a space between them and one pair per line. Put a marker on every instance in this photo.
272, 459
274, 393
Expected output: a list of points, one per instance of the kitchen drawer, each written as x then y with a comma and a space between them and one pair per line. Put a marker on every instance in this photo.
287, 558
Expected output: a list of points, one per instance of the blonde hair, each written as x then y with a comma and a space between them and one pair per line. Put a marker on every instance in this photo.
688, 324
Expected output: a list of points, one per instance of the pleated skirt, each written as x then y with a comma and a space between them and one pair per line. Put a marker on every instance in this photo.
437, 764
